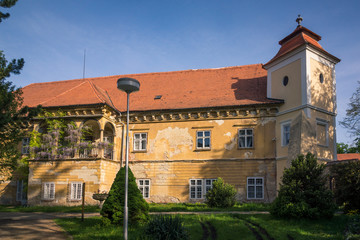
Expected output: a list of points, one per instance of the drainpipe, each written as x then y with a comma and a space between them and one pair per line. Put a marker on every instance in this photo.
122, 144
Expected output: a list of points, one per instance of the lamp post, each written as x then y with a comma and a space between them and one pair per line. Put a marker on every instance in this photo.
127, 85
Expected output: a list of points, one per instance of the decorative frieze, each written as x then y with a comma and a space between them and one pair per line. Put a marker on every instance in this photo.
215, 114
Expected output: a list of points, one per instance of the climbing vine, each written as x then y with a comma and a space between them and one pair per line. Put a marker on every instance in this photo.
62, 139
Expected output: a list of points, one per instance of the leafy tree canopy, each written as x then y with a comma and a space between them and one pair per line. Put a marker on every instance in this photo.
347, 184
6, 4
345, 148
13, 117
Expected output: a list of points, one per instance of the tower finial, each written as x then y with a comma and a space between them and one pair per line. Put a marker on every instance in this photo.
299, 20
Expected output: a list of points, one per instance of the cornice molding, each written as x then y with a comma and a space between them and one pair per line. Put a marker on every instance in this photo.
201, 114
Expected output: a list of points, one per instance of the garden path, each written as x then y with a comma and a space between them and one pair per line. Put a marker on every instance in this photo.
35, 225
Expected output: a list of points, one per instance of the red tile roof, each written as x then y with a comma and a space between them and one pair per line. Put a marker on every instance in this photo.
348, 156
299, 37
229, 86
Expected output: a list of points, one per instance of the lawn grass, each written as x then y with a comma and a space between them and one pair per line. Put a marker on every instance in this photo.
228, 226
202, 207
61, 209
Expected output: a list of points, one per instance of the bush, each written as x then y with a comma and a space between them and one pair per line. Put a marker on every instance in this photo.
221, 194
347, 184
303, 193
113, 207
166, 227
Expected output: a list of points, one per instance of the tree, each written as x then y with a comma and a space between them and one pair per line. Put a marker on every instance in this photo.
13, 117
6, 4
345, 148
352, 119
347, 184
113, 207
303, 193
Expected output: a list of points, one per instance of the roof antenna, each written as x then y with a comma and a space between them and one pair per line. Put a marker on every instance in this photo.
299, 20
84, 63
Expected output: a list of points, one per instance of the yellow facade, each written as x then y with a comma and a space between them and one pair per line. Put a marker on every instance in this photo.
175, 154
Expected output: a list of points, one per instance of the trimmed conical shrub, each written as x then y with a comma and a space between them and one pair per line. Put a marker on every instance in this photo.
113, 207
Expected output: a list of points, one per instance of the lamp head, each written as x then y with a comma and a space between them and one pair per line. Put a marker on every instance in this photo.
128, 85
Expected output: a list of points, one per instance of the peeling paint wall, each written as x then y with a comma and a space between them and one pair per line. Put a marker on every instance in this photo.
177, 140
170, 180
97, 174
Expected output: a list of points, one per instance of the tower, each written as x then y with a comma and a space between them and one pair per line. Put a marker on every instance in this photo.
302, 73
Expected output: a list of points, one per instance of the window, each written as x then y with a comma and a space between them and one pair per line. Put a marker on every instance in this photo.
196, 188
208, 185
246, 138
285, 133
322, 133
140, 140
199, 187
20, 191
285, 80
49, 191
203, 140
255, 188
25, 145
144, 186
76, 190
321, 78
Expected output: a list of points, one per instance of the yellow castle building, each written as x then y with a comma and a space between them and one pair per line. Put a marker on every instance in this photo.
187, 128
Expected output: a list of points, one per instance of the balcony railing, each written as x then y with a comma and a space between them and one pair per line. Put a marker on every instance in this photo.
71, 153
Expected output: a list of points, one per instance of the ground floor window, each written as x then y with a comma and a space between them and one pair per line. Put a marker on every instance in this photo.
49, 191
76, 190
199, 187
20, 191
255, 188
144, 186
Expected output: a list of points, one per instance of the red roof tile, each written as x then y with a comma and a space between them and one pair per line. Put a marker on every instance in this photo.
348, 156
299, 37
230, 86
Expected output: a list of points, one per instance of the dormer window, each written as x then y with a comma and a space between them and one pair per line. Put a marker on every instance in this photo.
157, 97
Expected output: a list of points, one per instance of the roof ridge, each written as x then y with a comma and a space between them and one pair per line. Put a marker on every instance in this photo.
62, 93
149, 73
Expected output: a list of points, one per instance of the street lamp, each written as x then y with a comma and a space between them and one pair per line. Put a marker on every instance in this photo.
127, 85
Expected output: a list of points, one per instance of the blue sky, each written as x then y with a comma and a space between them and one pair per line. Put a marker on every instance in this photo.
122, 37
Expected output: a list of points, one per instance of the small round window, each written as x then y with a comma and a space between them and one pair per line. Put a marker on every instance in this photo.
321, 78
285, 80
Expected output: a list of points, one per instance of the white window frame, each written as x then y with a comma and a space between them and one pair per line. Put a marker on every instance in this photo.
143, 186
201, 187
246, 137
203, 139
48, 191
25, 147
326, 124
76, 189
140, 140
285, 135
255, 185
